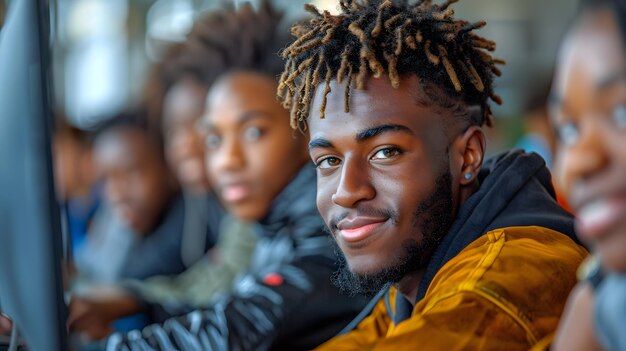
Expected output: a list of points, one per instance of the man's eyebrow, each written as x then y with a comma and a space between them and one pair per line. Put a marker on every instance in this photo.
363, 135
319, 143
384, 128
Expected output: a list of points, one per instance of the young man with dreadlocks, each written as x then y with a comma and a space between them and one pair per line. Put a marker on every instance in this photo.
463, 254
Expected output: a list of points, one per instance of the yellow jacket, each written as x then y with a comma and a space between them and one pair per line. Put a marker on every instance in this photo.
505, 291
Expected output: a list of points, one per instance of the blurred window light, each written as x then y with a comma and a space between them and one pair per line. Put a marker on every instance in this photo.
167, 21
170, 20
96, 18
96, 63
331, 6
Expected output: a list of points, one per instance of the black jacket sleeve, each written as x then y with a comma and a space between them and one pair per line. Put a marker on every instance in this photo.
288, 305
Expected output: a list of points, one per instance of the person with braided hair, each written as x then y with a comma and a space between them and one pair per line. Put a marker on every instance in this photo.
460, 253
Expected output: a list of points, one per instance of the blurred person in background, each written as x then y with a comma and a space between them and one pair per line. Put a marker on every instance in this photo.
589, 114
76, 184
538, 133
260, 171
182, 79
205, 220
143, 194
137, 232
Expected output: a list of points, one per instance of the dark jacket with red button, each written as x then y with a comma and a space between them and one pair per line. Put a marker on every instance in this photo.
285, 301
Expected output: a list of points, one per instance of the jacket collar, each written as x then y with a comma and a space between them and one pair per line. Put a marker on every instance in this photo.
295, 206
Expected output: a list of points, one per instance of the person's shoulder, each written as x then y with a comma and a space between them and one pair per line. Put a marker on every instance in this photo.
519, 252
535, 242
524, 272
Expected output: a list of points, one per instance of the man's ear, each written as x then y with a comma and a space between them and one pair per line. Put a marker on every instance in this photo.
470, 147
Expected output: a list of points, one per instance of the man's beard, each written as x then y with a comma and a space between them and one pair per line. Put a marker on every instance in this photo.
432, 219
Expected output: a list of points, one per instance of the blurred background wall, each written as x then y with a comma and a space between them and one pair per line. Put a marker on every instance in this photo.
103, 48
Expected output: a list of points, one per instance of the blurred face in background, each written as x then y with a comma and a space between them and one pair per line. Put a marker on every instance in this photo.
182, 108
73, 167
138, 184
589, 113
252, 152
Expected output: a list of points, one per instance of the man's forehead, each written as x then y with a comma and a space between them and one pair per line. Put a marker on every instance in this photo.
378, 98
336, 129
375, 89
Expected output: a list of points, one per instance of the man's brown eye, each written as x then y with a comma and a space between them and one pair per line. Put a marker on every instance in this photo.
328, 162
385, 153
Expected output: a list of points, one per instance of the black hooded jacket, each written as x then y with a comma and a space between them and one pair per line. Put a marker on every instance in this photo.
285, 301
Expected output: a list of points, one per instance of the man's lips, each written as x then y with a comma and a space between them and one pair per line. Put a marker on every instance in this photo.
597, 217
359, 228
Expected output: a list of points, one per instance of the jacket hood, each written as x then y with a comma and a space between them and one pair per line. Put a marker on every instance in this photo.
515, 190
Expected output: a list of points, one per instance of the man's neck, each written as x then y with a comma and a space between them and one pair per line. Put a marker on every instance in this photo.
409, 284
466, 193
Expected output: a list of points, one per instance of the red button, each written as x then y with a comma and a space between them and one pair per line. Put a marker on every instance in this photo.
273, 279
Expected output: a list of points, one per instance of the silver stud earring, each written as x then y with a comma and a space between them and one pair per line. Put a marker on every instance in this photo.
468, 176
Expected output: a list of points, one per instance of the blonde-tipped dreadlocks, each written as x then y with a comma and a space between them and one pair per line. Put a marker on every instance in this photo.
387, 37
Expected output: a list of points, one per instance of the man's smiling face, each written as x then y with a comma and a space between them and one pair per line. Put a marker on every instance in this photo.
384, 181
